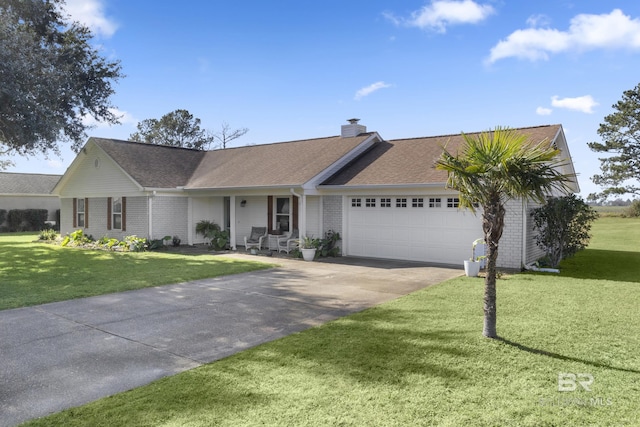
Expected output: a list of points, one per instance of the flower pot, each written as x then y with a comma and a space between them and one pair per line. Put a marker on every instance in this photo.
308, 254
471, 268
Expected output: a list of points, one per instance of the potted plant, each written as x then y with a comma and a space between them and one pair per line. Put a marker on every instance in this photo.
472, 265
308, 247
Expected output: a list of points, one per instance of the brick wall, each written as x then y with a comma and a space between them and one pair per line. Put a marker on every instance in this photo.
170, 217
510, 249
136, 218
332, 215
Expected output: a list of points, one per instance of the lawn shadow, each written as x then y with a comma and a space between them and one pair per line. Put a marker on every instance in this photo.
598, 264
557, 356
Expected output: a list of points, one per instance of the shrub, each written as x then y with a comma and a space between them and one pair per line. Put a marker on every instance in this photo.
154, 244
134, 243
218, 238
633, 210
563, 224
26, 219
48, 234
77, 238
107, 242
328, 246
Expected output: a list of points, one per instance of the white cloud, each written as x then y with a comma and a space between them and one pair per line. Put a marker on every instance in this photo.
441, 13
91, 14
542, 111
539, 20
368, 90
584, 104
124, 117
586, 32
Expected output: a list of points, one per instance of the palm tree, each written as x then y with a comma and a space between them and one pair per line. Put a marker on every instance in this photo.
488, 170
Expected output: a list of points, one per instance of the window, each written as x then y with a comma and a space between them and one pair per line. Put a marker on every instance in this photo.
116, 212
435, 202
417, 202
401, 203
370, 203
356, 203
283, 213
453, 202
80, 213
385, 203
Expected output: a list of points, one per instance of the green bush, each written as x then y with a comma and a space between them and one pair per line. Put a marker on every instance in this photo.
563, 225
218, 238
633, 210
48, 234
108, 242
134, 243
77, 238
26, 219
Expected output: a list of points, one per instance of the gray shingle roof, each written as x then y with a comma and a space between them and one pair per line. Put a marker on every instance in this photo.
27, 183
411, 161
395, 162
285, 163
153, 166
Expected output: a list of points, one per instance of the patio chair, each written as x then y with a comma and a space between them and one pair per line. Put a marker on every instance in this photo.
290, 242
255, 239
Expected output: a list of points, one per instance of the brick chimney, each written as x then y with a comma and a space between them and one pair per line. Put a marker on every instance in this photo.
352, 129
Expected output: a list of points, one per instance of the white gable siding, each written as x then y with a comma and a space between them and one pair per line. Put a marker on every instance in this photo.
104, 180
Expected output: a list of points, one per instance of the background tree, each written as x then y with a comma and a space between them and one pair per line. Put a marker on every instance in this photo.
226, 134
50, 78
178, 129
620, 133
563, 225
488, 170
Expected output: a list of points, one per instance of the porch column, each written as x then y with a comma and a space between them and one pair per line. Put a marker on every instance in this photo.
232, 222
302, 212
190, 226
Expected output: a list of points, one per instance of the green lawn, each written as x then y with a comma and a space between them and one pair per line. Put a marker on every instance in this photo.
36, 273
421, 359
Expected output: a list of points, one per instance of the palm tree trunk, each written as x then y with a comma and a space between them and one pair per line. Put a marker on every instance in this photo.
493, 225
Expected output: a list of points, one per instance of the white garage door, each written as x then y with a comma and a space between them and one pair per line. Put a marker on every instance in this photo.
429, 229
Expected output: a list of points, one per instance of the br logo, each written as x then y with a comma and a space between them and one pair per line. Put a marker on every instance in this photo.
569, 381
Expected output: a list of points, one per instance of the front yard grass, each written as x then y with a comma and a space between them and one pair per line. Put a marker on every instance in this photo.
421, 359
36, 273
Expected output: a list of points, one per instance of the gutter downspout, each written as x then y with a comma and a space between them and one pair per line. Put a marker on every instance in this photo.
302, 213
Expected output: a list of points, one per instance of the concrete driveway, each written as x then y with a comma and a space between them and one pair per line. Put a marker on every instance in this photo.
65, 354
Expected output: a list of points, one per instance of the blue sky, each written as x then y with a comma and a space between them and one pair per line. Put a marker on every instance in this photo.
292, 70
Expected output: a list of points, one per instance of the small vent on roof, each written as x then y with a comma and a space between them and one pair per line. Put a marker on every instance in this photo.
352, 129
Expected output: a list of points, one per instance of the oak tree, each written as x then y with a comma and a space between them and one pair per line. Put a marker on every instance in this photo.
51, 78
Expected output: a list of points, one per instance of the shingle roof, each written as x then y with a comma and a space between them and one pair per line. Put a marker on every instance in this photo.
411, 161
153, 166
27, 183
285, 163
